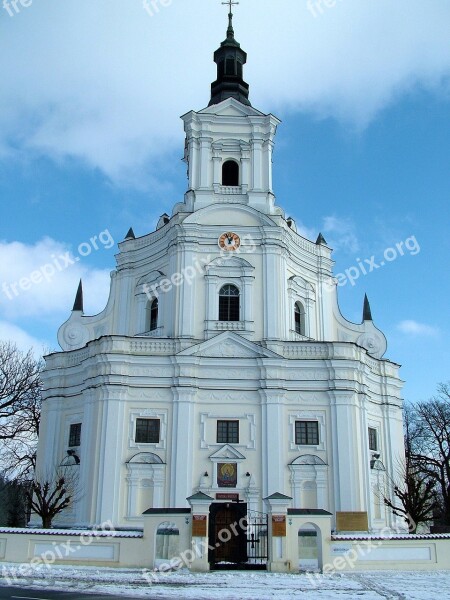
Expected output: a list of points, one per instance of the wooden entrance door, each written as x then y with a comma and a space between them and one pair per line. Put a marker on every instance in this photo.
227, 535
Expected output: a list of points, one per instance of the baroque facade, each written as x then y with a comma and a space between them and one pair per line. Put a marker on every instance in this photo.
221, 363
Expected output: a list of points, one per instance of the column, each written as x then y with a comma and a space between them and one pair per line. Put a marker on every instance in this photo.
273, 460
245, 171
257, 165
182, 446
274, 297
159, 478
185, 304
110, 451
205, 157
248, 302
349, 488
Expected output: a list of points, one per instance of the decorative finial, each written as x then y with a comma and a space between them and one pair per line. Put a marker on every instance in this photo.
230, 30
230, 3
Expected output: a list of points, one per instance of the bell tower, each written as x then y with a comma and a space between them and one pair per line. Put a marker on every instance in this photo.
229, 144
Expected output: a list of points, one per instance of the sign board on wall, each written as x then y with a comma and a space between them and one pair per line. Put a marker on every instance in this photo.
199, 523
352, 521
279, 526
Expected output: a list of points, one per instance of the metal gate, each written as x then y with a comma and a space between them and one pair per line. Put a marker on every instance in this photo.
237, 537
257, 540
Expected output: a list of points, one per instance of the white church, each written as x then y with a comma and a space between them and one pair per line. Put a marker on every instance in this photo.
221, 366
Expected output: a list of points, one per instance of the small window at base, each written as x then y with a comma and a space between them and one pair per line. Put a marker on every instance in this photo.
75, 434
373, 441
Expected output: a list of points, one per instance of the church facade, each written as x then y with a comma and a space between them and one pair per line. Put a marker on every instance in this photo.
221, 363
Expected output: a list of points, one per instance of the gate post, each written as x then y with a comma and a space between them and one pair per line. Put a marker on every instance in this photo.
279, 561
200, 504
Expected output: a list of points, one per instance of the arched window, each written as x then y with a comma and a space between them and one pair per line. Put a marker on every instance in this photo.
154, 315
230, 173
300, 318
229, 303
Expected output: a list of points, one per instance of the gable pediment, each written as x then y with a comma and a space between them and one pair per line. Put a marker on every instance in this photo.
226, 453
228, 345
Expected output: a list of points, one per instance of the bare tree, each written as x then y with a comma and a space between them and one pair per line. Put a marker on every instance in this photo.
51, 494
20, 409
432, 448
415, 497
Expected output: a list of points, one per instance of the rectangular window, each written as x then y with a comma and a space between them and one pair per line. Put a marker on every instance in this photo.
373, 442
307, 433
75, 434
147, 431
228, 432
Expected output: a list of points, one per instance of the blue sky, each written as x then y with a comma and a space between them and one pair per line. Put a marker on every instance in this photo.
91, 141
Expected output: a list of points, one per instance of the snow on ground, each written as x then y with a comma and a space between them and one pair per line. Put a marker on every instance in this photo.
235, 585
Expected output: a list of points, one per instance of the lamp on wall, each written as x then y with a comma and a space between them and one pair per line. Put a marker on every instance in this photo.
205, 474
247, 474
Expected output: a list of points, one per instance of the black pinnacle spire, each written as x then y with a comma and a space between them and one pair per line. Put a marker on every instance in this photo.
367, 313
230, 59
321, 240
78, 304
130, 235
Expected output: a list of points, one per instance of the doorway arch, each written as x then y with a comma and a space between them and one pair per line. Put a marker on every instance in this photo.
309, 548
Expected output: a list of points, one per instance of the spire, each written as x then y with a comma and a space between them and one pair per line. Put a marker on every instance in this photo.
230, 30
230, 59
321, 241
78, 304
130, 235
367, 313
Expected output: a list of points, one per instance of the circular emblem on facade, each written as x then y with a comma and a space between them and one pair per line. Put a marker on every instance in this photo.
229, 241
75, 336
373, 343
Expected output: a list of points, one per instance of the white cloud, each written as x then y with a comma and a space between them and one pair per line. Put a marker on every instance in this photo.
24, 341
340, 233
103, 82
414, 328
37, 281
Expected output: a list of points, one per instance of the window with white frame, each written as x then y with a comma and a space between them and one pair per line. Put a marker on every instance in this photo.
147, 431
373, 439
75, 435
307, 433
300, 318
229, 303
230, 173
227, 432
153, 315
